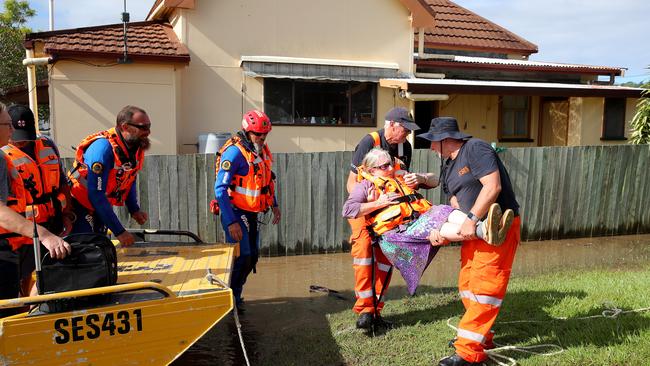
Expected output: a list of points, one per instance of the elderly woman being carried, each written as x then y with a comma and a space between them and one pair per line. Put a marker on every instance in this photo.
403, 221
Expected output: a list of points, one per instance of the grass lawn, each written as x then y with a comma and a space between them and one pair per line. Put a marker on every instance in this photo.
421, 333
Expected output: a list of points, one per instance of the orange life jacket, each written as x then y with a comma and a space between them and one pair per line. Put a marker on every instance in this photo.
33, 181
120, 177
411, 204
254, 191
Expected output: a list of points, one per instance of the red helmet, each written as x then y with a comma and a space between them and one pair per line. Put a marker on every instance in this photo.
256, 121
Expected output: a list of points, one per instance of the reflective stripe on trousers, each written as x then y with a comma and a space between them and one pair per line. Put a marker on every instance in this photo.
482, 283
362, 259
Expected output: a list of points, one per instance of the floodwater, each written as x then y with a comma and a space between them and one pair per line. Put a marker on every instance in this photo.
279, 303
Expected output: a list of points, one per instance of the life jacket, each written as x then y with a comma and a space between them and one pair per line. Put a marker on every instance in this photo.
120, 177
34, 186
411, 204
253, 192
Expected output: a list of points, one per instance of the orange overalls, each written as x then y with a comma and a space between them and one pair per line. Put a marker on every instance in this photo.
362, 263
482, 283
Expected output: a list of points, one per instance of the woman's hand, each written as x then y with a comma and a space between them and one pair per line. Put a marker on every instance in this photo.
436, 239
373, 195
387, 199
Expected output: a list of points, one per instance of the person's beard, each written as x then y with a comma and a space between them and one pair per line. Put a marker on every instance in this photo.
258, 148
141, 142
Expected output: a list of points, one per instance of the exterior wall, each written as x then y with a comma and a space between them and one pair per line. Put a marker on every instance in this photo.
630, 111
215, 92
85, 101
586, 121
478, 115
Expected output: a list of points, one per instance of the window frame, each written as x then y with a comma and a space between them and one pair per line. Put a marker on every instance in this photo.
514, 138
350, 85
603, 129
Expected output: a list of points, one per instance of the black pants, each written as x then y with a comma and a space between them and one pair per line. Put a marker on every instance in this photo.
14, 266
249, 254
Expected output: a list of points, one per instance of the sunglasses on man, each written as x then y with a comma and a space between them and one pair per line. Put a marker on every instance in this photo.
259, 134
140, 127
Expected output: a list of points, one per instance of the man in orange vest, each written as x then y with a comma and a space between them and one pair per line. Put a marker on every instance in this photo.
244, 187
473, 178
30, 183
104, 175
392, 138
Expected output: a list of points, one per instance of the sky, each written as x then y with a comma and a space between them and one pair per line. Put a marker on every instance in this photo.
591, 32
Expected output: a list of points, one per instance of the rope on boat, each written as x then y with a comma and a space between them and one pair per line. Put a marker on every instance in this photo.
212, 278
612, 312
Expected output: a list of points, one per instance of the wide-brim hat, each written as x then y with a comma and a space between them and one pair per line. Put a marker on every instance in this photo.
444, 128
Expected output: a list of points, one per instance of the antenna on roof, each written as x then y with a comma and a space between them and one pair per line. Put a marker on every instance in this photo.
125, 20
51, 7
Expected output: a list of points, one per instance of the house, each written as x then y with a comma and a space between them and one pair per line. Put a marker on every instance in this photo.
325, 72
497, 94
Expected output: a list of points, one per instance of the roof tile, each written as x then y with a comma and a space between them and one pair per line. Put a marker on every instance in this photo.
144, 40
457, 27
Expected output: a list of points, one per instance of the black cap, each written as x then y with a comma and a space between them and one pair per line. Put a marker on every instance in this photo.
403, 117
22, 119
442, 128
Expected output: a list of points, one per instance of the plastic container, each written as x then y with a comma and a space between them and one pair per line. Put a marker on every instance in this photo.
210, 143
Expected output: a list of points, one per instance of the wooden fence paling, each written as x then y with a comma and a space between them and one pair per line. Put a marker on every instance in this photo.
564, 192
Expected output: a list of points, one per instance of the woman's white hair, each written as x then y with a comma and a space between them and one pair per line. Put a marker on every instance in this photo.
374, 156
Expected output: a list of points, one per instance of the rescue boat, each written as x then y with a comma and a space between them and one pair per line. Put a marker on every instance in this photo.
168, 295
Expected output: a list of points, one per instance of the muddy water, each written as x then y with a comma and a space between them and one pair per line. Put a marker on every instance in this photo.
279, 305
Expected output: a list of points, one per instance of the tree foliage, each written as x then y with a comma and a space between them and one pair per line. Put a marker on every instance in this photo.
641, 121
16, 14
13, 19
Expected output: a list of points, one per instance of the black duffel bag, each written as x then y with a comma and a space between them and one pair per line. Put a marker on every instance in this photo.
92, 263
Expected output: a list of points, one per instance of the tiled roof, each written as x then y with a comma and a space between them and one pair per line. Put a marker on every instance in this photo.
146, 40
458, 28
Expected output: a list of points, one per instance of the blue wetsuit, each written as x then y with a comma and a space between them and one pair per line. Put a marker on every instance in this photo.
101, 151
249, 245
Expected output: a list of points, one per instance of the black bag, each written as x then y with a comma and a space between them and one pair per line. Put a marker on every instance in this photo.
92, 263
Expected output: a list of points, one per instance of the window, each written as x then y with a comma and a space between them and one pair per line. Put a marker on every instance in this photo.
614, 119
514, 121
300, 102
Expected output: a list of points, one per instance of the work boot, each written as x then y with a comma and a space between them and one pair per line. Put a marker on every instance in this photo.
364, 321
456, 360
383, 323
241, 309
491, 224
504, 226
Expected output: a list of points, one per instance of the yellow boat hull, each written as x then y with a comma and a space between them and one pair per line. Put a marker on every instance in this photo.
157, 324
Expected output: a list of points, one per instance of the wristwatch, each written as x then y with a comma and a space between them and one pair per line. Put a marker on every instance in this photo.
472, 217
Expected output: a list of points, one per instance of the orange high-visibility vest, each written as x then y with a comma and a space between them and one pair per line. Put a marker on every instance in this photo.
411, 205
33, 182
254, 191
120, 177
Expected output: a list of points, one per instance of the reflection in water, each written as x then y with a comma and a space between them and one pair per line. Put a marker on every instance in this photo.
279, 304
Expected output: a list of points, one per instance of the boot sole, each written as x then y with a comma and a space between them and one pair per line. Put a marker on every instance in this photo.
506, 222
493, 220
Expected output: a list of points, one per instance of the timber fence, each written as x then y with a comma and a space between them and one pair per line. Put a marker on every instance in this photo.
564, 192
